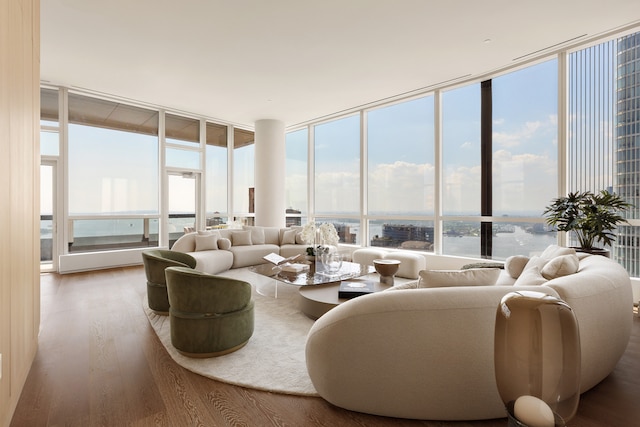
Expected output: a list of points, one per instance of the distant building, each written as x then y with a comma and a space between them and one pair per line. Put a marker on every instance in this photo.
626, 249
404, 236
293, 220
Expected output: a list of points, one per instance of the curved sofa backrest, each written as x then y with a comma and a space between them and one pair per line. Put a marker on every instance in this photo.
601, 298
414, 353
185, 243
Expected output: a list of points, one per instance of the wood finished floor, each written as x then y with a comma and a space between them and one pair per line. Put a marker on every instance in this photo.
100, 364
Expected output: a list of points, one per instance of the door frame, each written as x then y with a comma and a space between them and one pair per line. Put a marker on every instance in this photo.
199, 205
57, 220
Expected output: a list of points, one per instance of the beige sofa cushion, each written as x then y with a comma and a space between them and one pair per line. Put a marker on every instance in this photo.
207, 242
241, 238
515, 264
289, 237
531, 275
447, 278
560, 266
257, 234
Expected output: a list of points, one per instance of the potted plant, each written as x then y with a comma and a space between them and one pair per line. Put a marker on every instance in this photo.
591, 216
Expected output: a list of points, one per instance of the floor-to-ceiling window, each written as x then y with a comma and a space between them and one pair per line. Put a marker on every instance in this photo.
296, 176
216, 175
182, 165
49, 154
337, 176
243, 176
113, 175
461, 171
524, 158
604, 132
401, 175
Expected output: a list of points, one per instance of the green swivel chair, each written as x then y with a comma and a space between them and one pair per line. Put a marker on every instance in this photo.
209, 315
155, 262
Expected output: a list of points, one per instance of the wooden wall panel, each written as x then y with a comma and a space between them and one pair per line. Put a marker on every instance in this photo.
19, 196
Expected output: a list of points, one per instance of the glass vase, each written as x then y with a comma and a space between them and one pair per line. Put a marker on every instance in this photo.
537, 353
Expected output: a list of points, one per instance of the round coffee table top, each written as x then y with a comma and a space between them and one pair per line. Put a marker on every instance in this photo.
317, 300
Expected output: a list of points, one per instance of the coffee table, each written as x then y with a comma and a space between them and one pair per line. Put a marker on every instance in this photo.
348, 270
317, 300
303, 279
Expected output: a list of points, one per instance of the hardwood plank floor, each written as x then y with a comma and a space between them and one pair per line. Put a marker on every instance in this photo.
100, 364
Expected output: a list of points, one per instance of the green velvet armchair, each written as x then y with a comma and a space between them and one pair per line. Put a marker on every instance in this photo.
155, 262
209, 315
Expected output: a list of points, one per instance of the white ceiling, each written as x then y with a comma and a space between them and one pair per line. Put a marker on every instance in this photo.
297, 60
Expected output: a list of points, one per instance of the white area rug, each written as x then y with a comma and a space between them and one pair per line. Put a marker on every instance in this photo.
273, 359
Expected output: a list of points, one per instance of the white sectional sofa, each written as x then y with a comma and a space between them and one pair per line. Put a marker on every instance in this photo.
427, 353
220, 250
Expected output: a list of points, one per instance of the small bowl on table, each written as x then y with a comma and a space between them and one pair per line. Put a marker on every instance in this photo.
386, 268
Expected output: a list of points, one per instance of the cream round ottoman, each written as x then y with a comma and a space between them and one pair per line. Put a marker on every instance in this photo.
367, 255
410, 263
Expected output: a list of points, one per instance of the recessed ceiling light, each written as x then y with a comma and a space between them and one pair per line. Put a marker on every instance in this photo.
486, 41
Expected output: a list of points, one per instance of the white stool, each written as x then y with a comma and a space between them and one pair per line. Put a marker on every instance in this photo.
410, 263
366, 256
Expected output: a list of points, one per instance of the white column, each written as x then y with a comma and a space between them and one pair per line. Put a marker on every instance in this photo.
270, 173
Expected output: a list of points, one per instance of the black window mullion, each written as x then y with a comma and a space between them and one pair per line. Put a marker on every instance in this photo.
486, 187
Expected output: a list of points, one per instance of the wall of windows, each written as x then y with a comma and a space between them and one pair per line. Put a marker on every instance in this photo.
464, 170
468, 170
129, 173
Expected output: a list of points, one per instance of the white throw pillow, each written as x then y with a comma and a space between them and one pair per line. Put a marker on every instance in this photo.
470, 277
531, 276
561, 266
257, 234
224, 244
515, 265
206, 242
289, 237
241, 238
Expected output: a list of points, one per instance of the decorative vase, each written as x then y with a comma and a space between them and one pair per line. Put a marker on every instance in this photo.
537, 358
311, 260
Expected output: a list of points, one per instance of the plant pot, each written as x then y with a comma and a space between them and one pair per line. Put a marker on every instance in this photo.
594, 251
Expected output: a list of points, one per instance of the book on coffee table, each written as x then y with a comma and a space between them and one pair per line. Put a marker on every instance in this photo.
355, 288
276, 259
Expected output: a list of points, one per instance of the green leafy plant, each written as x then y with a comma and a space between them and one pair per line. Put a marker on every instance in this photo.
591, 216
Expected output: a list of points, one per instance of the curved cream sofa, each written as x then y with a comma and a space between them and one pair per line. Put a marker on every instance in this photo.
428, 353
220, 250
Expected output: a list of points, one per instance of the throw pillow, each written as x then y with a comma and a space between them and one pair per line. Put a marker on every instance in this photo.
471, 277
515, 265
257, 234
241, 238
224, 244
299, 240
531, 276
289, 237
560, 266
203, 232
206, 242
